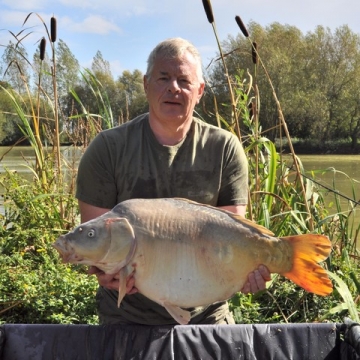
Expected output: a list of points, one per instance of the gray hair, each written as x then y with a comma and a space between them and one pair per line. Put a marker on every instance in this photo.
173, 48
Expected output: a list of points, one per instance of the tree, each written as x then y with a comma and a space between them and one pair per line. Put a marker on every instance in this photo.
100, 65
332, 70
67, 78
279, 47
9, 122
15, 68
315, 77
42, 73
67, 69
132, 95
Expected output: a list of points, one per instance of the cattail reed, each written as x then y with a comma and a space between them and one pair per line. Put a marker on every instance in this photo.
208, 11
42, 48
254, 53
241, 26
53, 29
251, 110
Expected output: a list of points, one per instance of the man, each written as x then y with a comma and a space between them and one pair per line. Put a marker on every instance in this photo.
165, 153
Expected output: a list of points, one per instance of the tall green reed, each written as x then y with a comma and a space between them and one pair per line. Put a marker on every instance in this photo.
41, 126
31, 121
94, 122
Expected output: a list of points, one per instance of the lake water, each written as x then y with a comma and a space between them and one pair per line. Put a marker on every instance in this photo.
341, 171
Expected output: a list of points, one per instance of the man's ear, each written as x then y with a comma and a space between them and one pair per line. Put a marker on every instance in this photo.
145, 83
200, 92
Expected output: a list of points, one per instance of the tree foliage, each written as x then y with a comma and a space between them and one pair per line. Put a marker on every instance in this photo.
316, 77
67, 70
15, 66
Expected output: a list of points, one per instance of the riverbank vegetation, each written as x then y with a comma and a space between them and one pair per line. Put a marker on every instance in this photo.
36, 288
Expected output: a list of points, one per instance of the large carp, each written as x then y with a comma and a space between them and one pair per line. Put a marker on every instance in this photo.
184, 254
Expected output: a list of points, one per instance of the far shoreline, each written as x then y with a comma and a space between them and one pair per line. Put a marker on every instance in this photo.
333, 149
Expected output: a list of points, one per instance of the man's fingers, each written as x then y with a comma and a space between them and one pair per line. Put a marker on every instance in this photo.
257, 280
93, 270
246, 288
265, 273
111, 281
108, 281
130, 285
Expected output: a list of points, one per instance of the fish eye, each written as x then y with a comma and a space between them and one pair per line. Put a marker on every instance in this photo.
91, 233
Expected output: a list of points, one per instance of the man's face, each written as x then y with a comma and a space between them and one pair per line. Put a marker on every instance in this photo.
173, 89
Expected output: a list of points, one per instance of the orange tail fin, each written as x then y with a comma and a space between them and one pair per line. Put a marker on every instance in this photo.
309, 249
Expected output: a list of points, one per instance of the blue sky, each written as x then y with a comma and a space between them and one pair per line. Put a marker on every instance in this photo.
126, 31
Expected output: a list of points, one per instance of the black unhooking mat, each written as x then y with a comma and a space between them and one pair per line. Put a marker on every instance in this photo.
264, 341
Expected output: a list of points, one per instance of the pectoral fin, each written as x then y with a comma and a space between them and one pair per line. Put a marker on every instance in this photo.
122, 284
180, 315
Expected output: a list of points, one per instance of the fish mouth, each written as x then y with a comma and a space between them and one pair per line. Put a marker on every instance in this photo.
66, 251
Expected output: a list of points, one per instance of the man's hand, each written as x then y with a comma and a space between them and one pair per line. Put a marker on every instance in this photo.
111, 281
256, 280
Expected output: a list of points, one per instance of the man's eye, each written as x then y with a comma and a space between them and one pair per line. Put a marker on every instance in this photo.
185, 83
91, 233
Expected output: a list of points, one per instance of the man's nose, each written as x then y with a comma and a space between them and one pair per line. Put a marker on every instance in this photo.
174, 86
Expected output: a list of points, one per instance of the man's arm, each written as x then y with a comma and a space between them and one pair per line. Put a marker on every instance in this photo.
236, 209
89, 212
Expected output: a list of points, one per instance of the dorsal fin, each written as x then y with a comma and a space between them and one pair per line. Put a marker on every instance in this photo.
236, 217
253, 224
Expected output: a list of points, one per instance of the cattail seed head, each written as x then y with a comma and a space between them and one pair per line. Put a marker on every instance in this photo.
42, 48
241, 26
254, 53
53, 29
208, 11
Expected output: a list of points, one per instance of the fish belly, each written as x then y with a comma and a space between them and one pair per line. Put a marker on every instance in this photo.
187, 275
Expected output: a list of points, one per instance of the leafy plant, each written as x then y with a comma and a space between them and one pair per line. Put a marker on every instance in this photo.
35, 287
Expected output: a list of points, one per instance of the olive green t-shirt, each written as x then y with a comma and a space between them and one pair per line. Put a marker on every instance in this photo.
209, 166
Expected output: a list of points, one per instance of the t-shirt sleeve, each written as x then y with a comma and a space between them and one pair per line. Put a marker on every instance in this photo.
95, 184
234, 179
